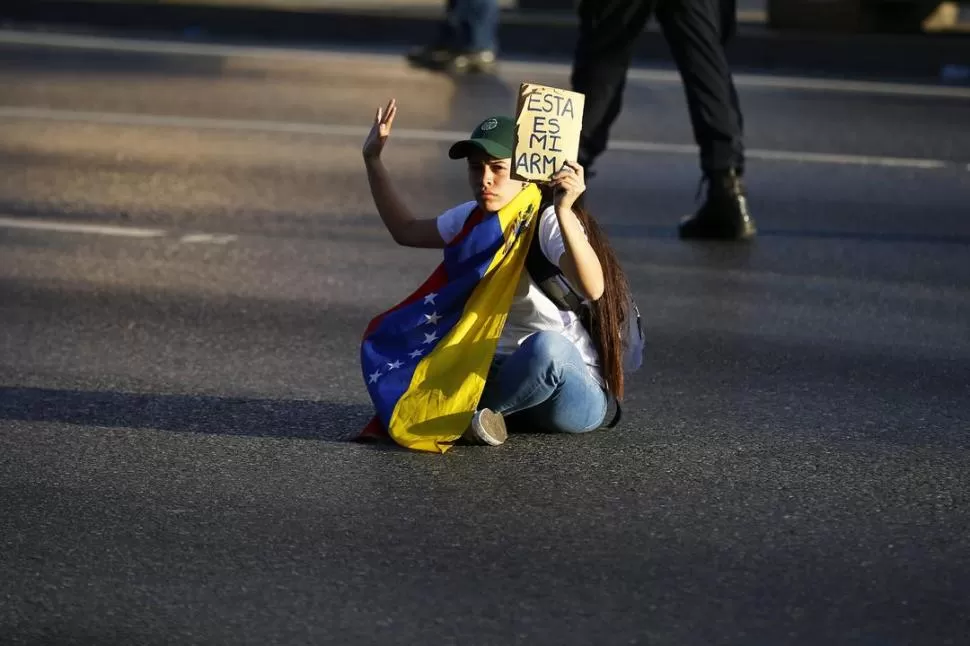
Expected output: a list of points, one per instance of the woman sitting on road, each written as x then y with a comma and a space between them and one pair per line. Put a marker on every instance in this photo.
548, 372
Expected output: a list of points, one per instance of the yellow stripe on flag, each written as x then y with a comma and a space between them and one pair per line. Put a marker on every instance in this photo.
448, 383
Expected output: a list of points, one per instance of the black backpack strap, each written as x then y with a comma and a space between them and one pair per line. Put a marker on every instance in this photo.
548, 276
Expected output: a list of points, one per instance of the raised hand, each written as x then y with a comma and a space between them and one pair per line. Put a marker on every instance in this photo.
569, 183
383, 120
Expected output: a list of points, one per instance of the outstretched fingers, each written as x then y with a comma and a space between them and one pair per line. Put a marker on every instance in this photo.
385, 115
389, 117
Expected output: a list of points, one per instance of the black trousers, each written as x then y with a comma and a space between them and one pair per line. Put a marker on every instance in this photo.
696, 31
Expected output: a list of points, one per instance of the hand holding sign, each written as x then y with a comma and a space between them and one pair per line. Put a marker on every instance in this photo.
569, 184
548, 121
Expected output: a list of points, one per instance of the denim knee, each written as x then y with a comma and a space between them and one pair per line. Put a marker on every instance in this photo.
548, 350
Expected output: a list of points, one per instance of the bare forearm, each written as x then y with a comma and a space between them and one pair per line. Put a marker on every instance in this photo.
580, 258
394, 213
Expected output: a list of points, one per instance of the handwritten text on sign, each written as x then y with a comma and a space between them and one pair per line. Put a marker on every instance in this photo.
548, 122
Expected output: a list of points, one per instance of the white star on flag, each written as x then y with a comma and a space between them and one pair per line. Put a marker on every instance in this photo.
415, 354
433, 318
395, 365
431, 338
430, 298
374, 377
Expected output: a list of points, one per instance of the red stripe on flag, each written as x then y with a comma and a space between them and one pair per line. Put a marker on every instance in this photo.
473, 220
373, 431
437, 279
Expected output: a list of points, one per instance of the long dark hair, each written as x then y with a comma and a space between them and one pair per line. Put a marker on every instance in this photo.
609, 312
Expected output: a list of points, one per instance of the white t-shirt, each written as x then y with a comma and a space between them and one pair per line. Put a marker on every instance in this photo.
531, 310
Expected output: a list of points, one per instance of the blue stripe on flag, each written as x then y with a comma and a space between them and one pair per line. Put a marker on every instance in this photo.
475, 252
390, 353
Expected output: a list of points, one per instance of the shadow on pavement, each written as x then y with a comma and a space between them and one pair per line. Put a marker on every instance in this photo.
329, 421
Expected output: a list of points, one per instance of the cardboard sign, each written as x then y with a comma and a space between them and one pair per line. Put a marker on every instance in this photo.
548, 121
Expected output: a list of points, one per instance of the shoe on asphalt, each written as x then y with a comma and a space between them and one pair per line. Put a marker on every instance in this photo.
724, 214
431, 57
477, 62
487, 427
458, 62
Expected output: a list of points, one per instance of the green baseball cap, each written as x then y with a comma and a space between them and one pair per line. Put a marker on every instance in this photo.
495, 136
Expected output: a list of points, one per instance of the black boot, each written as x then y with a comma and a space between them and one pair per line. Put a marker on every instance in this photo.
724, 214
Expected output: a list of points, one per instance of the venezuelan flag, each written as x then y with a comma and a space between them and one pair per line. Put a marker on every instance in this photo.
425, 360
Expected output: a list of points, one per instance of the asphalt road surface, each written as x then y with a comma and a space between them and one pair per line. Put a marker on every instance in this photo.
189, 254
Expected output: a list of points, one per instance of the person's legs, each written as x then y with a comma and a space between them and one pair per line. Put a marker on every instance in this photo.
448, 39
608, 30
479, 20
729, 20
693, 31
449, 34
546, 383
467, 39
696, 31
729, 28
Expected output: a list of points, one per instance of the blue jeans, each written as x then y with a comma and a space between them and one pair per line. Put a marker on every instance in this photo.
545, 384
470, 25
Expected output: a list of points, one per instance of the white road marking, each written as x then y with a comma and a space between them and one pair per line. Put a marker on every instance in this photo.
114, 231
73, 227
443, 136
519, 68
791, 156
805, 83
208, 238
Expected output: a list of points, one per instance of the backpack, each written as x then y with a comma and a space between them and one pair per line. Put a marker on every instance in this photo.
550, 280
